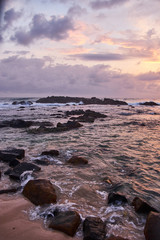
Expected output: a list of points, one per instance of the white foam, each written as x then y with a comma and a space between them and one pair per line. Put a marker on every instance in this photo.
26, 177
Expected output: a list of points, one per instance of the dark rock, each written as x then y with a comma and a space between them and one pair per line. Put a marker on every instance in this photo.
8, 171
93, 100
75, 112
14, 163
67, 222
76, 160
16, 123
0, 174
152, 227
61, 127
44, 162
12, 154
21, 168
94, 229
10, 190
53, 153
40, 192
149, 104
116, 238
116, 199
141, 206
22, 103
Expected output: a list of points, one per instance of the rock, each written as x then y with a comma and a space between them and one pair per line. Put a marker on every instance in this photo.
53, 153
80, 100
21, 168
141, 206
94, 229
10, 190
43, 161
16, 123
22, 103
8, 171
152, 226
116, 238
116, 199
14, 163
12, 154
76, 160
149, 104
67, 222
0, 174
40, 192
75, 112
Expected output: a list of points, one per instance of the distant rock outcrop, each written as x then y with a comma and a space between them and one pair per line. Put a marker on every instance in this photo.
23, 102
85, 101
149, 104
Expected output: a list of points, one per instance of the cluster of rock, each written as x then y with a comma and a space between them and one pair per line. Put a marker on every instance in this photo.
20, 123
85, 101
42, 192
23, 102
149, 103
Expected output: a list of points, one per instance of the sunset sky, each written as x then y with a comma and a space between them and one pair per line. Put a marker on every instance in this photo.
105, 48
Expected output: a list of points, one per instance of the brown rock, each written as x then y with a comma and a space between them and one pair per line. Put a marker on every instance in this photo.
76, 160
40, 192
66, 222
141, 206
152, 227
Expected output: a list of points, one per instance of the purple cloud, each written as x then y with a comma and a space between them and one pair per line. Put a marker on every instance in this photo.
10, 16
76, 10
106, 3
55, 29
100, 57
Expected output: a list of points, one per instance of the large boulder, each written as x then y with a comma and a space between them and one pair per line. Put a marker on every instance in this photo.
141, 206
40, 192
152, 227
67, 222
12, 154
116, 198
76, 160
94, 229
21, 168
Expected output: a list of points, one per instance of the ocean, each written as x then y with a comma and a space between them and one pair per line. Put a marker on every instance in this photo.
123, 151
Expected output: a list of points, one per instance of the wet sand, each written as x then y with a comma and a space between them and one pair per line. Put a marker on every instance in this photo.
15, 224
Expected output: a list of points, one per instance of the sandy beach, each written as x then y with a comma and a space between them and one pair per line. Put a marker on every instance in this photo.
15, 224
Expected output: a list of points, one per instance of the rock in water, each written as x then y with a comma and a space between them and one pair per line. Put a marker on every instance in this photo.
67, 222
12, 154
40, 192
94, 229
141, 206
76, 160
21, 168
152, 227
116, 199
53, 153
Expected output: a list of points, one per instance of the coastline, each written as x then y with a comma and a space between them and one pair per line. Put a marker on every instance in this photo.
16, 225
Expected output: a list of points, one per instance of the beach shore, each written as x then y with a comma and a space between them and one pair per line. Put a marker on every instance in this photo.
15, 224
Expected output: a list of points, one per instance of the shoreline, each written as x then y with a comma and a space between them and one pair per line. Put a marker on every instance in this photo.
16, 225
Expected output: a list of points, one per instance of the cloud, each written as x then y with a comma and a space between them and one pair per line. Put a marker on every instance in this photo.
106, 4
55, 29
40, 77
76, 10
100, 57
10, 16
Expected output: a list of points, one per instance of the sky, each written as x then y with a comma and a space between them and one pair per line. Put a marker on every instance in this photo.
101, 48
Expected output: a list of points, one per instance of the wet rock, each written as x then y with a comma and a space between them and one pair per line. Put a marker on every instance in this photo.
16, 123
152, 227
75, 112
149, 104
116, 199
14, 163
8, 171
10, 190
40, 192
94, 229
61, 127
116, 238
53, 153
12, 154
76, 160
141, 206
21, 168
22, 103
44, 162
67, 222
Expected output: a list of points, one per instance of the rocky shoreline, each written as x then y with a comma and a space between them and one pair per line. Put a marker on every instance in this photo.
82, 100
41, 192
